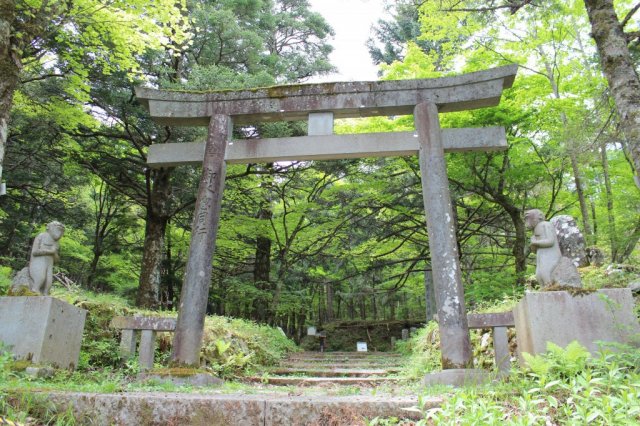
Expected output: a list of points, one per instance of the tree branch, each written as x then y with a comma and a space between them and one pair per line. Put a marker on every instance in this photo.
626, 19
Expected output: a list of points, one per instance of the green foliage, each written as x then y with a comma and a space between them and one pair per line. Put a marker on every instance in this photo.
424, 351
565, 387
5, 279
558, 362
233, 347
23, 408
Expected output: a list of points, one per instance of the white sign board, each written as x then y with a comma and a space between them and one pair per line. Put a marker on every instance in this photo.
362, 346
311, 331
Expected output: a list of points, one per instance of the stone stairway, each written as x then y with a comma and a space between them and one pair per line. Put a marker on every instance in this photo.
316, 395
335, 368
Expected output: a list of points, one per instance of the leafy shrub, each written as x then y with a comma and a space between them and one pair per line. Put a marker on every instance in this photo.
5, 279
563, 386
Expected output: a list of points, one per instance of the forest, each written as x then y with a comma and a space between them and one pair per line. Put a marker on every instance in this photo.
306, 243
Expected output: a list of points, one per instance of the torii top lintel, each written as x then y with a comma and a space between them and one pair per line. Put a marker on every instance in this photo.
345, 100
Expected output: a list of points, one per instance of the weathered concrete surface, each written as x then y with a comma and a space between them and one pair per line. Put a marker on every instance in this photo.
144, 323
488, 320
455, 344
457, 377
345, 100
565, 274
320, 123
333, 147
197, 278
246, 410
42, 329
557, 316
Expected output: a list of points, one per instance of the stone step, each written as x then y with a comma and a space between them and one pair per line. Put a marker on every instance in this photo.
346, 354
159, 408
325, 365
343, 359
321, 381
334, 372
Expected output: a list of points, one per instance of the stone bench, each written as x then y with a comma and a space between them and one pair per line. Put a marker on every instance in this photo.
498, 322
147, 327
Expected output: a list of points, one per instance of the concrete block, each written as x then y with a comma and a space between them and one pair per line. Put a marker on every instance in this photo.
320, 123
147, 349
559, 317
42, 329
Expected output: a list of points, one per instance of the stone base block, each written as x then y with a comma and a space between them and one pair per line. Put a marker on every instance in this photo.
560, 317
457, 377
159, 408
42, 329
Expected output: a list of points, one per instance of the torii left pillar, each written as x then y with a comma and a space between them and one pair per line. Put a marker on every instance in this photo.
195, 290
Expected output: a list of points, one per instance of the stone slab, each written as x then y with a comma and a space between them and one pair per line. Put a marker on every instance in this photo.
313, 381
345, 99
334, 372
151, 409
42, 329
457, 377
327, 147
556, 316
490, 320
144, 323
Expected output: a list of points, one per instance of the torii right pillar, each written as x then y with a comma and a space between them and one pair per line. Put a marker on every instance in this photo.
455, 345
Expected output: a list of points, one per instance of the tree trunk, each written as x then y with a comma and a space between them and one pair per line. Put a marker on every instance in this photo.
613, 237
9, 70
169, 276
329, 292
618, 68
156, 223
93, 267
519, 244
262, 271
584, 210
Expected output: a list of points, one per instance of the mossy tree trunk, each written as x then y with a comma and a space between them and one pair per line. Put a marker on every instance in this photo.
619, 69
9, 72
156, 223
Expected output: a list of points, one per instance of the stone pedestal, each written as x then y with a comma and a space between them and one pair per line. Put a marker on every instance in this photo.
42, 329
560, 317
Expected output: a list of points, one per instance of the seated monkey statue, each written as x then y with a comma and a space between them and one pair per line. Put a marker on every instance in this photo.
37, 277
551, 267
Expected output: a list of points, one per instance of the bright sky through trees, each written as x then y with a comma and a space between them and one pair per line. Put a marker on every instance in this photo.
351, 20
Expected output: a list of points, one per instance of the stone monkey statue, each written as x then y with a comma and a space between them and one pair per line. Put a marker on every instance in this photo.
38, 276
551, 266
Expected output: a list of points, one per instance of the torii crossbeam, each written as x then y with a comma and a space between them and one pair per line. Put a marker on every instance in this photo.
320, 104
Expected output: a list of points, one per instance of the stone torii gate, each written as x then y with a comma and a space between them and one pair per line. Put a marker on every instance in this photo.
320, 104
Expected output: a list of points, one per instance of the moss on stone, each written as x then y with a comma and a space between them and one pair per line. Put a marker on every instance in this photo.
574, 291
20, 365
176, 371
22, 291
